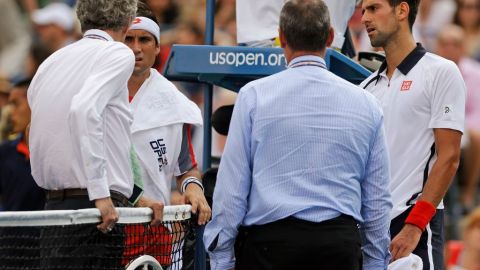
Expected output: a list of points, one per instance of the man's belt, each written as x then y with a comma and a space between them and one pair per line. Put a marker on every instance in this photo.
81, 192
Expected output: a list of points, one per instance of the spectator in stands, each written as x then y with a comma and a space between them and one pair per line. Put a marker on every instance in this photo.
37, 54
165, 11
466, 255
55, 25
467, 16
451, 45
14, 39
18, 190
30, 6
297, 174
5, 127
225, 13
433, 15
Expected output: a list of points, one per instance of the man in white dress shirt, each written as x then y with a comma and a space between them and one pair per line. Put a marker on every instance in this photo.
80, 136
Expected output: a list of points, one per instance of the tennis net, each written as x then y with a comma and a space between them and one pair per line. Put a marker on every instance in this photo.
69, 239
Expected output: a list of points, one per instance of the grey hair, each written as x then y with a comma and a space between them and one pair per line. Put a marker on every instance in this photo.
106, 14
305, 24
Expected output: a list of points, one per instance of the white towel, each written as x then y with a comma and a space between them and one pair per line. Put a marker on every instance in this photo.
411, 262
159, 103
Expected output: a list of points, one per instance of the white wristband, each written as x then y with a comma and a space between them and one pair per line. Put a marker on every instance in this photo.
188, 181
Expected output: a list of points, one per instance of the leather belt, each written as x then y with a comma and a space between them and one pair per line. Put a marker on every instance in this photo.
81, 192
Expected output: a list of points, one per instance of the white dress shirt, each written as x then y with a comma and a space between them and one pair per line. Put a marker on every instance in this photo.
80, 128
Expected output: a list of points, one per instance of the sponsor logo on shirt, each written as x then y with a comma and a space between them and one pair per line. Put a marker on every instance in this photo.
447, 109
160, 151
406, 85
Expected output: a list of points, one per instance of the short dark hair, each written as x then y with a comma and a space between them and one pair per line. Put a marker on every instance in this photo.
24, 83
144, 10
413, 4
305, 24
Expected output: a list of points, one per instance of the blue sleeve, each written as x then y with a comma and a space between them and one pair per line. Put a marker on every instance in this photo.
233, 185
376, 203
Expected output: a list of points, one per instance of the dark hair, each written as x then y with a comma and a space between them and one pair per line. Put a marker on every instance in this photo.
144, 10
305, 24
24, 83
413, 4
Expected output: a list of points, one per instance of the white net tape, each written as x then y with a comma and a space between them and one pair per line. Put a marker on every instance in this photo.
86, 216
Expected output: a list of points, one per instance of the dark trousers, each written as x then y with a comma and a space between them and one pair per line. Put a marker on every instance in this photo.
81, 246
430, 246
297, 244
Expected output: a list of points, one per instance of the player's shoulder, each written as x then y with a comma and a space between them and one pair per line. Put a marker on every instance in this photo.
162, 83
434, 63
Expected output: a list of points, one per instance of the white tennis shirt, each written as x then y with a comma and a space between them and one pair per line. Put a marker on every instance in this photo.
80, 127
425, 92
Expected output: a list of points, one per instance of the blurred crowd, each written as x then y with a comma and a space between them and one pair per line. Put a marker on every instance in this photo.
31, 30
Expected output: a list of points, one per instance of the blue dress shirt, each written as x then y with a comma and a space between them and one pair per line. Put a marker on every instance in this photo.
308, 144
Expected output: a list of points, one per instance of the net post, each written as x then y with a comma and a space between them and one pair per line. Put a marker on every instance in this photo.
200, 254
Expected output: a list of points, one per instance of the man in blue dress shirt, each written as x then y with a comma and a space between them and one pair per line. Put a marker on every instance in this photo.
305, 162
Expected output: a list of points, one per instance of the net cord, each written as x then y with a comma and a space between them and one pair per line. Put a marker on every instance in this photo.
92, 215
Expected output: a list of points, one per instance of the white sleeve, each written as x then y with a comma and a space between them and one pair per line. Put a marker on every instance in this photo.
107, 79
448, 93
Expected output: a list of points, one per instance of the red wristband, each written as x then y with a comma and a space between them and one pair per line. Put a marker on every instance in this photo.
421, 214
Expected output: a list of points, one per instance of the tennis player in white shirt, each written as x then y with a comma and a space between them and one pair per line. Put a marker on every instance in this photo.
162, 119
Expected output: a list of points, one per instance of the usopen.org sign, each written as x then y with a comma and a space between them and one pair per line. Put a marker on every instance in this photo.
228, 60
246, 58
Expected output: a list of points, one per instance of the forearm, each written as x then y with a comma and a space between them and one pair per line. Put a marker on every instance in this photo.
221, 232
194, 172
440, 178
